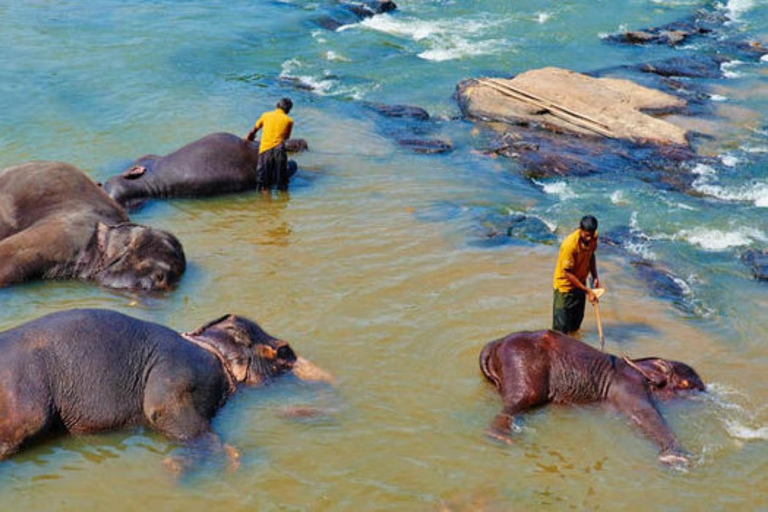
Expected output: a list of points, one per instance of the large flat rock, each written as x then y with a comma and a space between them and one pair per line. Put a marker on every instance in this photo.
563, 100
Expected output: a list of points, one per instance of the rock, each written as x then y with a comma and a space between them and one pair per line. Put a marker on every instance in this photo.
405, 111
562, 100
692, 66
349, 12
543, 154
496, 230
757, 260
663, 284
426, 146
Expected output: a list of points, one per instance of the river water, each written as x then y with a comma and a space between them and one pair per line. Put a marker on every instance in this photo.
371, 268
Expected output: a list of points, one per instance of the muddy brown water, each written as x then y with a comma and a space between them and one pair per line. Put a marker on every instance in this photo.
397, 309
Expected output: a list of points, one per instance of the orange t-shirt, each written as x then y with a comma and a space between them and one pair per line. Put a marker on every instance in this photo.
575, 259
276, 127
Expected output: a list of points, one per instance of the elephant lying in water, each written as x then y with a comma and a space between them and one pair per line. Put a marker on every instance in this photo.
55, 223
219, 163
90, 370
532, 369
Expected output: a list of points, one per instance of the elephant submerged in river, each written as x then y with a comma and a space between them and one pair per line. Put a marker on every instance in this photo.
55, 223
532, 369
219, 163
90, 370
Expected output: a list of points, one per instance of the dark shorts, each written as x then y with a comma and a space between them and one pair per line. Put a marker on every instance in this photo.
568, 310
272, 169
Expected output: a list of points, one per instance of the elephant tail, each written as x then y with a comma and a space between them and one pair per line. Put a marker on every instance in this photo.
485, 366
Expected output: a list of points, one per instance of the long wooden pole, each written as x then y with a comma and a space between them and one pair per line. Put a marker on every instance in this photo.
599, 327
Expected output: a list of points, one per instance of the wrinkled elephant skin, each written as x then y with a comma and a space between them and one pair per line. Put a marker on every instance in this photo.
219, 163
55, 223
89, 370
532, 369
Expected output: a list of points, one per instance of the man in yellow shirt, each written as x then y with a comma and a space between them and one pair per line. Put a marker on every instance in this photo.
575, 262
272, 167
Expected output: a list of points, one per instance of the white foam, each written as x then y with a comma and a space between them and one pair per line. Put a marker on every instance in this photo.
744, 432
739, 420
718, 97
557, 188
735, 8
543, 17
755, 192
729, 67
335, 57
717, 240
459, 48
617, 197
730, 160
444, 39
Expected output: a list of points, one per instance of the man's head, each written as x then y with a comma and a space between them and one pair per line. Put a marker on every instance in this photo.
285, 104
588, 229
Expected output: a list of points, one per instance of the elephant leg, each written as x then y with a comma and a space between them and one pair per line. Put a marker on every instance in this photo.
516, 401
22, 256
637, 405
22, 424
175, 416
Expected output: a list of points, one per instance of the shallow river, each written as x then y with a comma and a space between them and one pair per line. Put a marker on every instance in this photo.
370, 266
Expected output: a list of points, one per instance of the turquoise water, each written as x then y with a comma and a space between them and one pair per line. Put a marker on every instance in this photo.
370, 266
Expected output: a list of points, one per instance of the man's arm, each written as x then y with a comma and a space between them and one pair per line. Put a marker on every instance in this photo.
593, 271
581, 286
256, 128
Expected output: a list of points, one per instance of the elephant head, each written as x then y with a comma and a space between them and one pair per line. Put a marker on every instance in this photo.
250, 354
130, 186
668, 379
138, 257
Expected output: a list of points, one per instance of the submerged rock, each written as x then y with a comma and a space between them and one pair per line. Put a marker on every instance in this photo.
408, 125
691, 66
496, 230
561, 100
426, 146
757, 261
404, 111
542, 154
346, 12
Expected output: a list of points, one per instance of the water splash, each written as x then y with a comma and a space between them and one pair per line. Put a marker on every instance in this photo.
739, 417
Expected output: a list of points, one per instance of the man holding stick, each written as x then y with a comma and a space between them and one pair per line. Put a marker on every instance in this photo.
575, 263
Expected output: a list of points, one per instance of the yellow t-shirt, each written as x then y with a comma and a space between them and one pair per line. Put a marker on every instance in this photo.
276, 127
575, 259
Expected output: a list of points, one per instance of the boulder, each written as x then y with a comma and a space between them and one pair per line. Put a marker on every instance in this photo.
561, 100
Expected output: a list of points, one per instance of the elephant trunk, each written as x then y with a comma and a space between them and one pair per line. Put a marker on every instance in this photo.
307, 371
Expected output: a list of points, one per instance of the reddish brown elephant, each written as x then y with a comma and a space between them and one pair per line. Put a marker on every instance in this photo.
532, 369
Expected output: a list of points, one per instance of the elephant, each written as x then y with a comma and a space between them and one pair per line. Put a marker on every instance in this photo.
219, 163
531, 369
55, 223
84, 371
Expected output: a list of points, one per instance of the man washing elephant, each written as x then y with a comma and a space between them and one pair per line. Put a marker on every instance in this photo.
272, 167
575, 263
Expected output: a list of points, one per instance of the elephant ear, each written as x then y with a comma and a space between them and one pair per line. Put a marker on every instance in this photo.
656, 371
223, 337
134, 172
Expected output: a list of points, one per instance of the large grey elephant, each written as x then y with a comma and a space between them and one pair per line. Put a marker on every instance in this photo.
532, 369
90, 370
218, 163
55, 223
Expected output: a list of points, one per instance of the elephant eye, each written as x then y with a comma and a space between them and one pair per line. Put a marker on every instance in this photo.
285, 352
